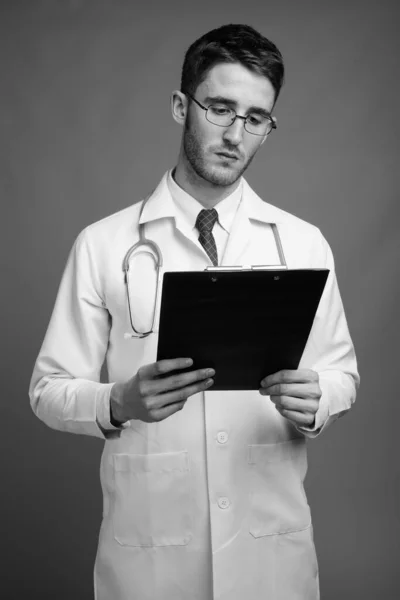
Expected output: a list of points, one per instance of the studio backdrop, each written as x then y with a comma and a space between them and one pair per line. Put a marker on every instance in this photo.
86, 130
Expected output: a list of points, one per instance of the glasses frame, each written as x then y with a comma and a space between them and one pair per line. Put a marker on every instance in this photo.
244, 119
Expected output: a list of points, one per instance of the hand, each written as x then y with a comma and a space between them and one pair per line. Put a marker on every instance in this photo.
296, 394
151, 396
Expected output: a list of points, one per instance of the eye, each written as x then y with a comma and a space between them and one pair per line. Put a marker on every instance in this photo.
219, 109
256, 120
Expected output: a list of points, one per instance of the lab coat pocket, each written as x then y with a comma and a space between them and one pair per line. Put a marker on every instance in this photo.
278, 503
152, 499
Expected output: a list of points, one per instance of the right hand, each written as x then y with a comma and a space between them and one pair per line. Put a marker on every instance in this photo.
151, 396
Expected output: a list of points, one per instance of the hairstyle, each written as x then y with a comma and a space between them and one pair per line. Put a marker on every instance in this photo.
232, 44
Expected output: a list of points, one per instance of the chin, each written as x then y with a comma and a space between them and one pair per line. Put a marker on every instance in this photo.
222, 177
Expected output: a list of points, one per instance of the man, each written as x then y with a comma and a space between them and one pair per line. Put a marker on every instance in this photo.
203, 491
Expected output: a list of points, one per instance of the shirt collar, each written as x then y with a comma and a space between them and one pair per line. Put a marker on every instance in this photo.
160, 205
188, 207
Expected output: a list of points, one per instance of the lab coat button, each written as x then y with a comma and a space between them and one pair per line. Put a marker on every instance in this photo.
223, 502
222, 437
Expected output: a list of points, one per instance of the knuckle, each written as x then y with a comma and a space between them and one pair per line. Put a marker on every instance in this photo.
174, 382
203, 374
180, 396
316, 392
183, 395
143, 388
204, 385
177, 381
313, 375
147, 403
158, 368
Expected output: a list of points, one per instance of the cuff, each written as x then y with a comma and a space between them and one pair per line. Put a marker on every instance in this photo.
103, 412
338, 394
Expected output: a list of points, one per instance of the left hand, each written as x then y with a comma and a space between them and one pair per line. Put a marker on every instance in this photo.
295, 393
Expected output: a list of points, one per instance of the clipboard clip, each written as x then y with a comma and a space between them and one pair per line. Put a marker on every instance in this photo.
247, 268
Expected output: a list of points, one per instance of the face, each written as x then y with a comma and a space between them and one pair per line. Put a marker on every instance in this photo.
220, 155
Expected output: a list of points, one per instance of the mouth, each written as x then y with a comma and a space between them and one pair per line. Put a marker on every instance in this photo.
227, 155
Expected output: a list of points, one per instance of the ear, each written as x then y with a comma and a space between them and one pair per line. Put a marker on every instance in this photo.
179, 105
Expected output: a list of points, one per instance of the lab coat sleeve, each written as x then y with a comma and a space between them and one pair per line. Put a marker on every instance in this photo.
65, 390
330, 352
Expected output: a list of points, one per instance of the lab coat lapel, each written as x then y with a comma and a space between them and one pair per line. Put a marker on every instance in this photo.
251, 207
239, 237
160, 205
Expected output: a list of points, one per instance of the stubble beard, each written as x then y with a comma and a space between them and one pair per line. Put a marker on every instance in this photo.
195, 155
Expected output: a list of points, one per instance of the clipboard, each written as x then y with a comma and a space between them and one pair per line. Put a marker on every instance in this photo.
245, 324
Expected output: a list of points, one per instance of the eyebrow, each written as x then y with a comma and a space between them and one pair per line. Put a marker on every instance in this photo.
222, 100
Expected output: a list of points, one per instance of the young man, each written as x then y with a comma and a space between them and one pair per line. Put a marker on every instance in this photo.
203, 491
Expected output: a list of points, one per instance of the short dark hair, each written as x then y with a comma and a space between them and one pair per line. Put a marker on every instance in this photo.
232, 44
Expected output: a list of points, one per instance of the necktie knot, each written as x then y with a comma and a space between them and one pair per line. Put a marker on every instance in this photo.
206, 220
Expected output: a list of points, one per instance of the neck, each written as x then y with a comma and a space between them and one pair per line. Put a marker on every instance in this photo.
206, 193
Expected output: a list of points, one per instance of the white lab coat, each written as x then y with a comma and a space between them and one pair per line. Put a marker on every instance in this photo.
209, 503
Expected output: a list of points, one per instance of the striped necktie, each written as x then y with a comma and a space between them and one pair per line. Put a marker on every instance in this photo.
204, 223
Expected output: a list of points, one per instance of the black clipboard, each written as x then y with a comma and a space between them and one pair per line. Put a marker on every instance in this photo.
245, 324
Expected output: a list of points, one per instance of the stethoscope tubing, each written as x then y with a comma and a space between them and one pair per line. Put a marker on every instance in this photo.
157, 256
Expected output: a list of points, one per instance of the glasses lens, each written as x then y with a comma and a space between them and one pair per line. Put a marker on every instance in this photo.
221, 115
258, 125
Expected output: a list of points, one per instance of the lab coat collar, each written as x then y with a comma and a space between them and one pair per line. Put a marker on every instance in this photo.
188, 208
160, 205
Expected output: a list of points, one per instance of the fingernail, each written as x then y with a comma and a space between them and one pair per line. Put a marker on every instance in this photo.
209, 382
188, 361
210, 372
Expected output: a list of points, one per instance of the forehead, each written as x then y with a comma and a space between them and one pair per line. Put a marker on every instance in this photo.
237, 83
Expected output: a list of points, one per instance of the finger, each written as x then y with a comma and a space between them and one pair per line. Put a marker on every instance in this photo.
166, 411
297, 417
297, 390
162, 367
181, 394
296, 404
290, 376
179, 380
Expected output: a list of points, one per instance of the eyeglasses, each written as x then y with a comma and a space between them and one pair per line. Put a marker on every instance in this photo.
223, 116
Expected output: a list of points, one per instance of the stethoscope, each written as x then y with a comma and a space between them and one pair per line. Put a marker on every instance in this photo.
149, 247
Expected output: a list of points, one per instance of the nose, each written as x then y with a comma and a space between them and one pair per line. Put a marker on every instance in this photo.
234, 133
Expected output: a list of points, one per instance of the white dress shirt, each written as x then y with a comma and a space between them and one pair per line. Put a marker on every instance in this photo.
188, 208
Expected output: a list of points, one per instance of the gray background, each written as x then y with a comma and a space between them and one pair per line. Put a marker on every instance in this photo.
86, 130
